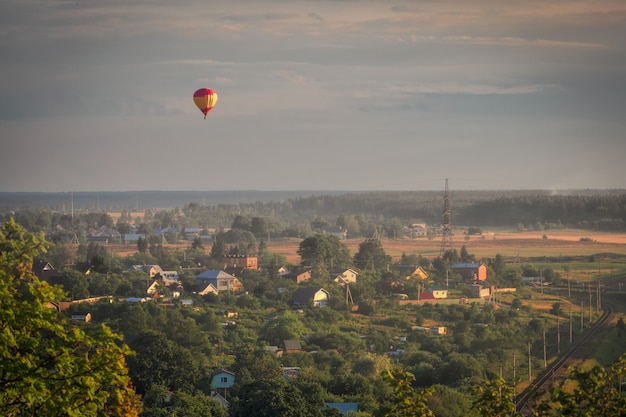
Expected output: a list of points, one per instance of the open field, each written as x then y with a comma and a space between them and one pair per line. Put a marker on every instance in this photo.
508, 244
512, 245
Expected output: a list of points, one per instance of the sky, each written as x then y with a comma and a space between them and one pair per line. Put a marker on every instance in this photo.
352, 95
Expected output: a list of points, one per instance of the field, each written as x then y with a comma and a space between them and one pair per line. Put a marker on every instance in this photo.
511, 245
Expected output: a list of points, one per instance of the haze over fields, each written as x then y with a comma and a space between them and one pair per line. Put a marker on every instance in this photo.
313, 95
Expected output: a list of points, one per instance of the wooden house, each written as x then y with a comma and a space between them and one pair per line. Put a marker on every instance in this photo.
312, 296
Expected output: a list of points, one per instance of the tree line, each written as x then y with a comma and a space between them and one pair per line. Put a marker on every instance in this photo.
360, 214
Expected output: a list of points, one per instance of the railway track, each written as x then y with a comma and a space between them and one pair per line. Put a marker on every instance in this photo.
521, 401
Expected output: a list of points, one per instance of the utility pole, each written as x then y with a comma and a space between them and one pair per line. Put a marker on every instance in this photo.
545, 353
571, 336
582, 314
513, 372
558, 335
530, 369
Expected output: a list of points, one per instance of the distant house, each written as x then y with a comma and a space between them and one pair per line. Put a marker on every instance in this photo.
441, 330
152, 286
480, 291
344, 276
83, 267
290, 372
191, 232
151, 270
471, 271
283, 270
418, 229
221, 400
312, 296
222, 281
292, 346
411, 271
44, 271
299, 274
81, 316
275, 350
426, 295
438, 292
138, 299
235, 264
222, 379
347, 409
204, 289
133, 238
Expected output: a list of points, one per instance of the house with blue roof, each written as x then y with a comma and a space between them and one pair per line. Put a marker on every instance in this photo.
222, 281
471, 271
347, 409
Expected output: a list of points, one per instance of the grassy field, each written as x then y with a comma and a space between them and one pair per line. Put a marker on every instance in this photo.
512, 245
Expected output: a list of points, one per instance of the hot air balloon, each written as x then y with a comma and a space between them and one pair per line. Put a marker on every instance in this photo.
205, 99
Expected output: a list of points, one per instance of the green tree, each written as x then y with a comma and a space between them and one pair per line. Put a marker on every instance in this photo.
596, 392
285, 326
160, 402
259, 227
47, 366
160, 361
241, 222
74, 283
270, 398
142, 245
495, 398
371, 255
326, 250
123, 227
407, 401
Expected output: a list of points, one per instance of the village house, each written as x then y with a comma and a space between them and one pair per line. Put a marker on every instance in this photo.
299, 274
222, 379
235, 264
411, 271
222, 281
344, 276
44, 271
292, 346
313, 296
418, 230
471, 271
81, 316
438, 291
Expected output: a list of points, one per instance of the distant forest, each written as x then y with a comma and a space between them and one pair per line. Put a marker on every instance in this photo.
523, 209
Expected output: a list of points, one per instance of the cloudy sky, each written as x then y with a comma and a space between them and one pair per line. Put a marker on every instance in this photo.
96, 95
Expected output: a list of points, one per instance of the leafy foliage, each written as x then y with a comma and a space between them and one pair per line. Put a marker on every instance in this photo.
597, 392
47, 366
407, 401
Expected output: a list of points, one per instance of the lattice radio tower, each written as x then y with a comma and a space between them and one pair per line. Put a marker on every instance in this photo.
446, 232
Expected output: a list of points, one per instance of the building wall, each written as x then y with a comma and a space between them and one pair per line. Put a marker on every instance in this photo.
241, 261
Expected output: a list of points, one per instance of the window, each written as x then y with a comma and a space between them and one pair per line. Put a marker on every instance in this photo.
224, 379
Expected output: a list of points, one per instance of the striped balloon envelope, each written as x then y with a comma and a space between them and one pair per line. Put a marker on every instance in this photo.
205, 99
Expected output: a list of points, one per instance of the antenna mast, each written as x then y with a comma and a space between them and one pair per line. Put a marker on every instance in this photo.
446, 232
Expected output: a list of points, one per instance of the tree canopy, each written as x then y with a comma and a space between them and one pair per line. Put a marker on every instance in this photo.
48, 366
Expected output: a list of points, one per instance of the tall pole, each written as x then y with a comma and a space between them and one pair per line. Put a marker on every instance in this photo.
545, 358
558, 335
514, 371
582, 314
530, 369
590, 303
571, 336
